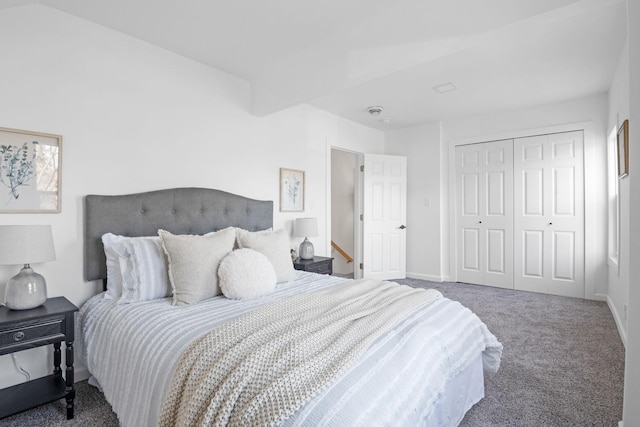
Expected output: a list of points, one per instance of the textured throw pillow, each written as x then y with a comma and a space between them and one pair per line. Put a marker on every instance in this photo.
275, 246
193, 263
136, 268
245, 274
145, 274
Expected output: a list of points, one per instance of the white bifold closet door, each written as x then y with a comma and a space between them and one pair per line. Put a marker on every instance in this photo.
520, 213
549, 214
484, 179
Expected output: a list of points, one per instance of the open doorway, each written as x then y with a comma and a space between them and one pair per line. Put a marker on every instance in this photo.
344, 165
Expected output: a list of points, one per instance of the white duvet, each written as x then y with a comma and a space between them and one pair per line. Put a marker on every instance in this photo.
133, 349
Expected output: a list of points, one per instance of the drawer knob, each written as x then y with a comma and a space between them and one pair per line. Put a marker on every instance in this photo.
18, 336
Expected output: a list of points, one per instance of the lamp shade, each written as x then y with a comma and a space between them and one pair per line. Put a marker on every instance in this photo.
306, 227
26, 244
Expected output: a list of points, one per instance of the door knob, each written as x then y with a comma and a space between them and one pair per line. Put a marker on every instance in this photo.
550, 223
479, 222
402, 227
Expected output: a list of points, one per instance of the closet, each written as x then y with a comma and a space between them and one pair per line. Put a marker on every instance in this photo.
520, 213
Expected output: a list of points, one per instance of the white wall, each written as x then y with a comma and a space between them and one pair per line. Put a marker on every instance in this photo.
618, 276
421, 146
631, 412
135, 118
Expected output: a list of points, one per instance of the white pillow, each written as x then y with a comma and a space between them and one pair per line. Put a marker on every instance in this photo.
114, 273
140, 264
193, 263
275, 246
245, 274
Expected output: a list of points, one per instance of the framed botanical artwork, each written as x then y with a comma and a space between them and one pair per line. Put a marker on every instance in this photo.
623, 150
291, 190
30, 171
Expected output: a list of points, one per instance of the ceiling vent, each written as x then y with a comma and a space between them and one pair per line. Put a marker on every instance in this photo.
447, 87
375, 110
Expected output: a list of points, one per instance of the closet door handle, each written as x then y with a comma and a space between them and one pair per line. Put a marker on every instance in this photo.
550, 223
479, 222
402, 227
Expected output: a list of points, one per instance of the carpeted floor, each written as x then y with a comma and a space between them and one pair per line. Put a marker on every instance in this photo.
563, 360
563, 365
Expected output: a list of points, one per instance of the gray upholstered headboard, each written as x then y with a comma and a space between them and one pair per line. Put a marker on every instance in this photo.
178, 210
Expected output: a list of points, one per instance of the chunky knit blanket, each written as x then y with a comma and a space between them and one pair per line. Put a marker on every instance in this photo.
258, 369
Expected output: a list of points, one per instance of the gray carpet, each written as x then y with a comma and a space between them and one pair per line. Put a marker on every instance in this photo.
563, 365
563, 360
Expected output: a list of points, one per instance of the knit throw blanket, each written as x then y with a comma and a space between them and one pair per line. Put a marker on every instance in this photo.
258, 369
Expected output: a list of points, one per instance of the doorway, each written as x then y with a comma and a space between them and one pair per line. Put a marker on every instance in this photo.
344, 188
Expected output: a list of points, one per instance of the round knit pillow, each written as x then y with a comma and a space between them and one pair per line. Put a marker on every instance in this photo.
245, 274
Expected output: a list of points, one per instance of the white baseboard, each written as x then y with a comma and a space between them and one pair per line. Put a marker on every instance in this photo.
618, 320
424, 277
80, 373
620, 424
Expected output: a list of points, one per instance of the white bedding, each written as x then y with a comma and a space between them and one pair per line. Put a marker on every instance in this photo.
407, 377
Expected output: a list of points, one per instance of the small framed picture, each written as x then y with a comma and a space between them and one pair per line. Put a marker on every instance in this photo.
623, 150
291, 190
30, 171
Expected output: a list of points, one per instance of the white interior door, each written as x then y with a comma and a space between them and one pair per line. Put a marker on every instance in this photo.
384, 217
549, 212
484, 223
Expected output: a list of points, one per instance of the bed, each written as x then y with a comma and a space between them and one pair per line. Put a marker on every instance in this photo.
424, 368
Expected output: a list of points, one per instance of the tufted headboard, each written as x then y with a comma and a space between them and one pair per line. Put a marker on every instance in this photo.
178, 210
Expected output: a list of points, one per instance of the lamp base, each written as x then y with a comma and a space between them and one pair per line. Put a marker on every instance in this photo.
306, 249
26, 290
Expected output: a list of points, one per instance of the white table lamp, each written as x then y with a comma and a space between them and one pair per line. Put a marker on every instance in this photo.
306, 227
26, 244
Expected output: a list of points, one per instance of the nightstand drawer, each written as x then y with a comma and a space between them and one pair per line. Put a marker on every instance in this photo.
30, 334
321, 268
318, 264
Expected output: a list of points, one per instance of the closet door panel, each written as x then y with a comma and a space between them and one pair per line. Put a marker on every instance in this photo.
471, 250
496, 252
532, 253
549, 213
565, 255
470, 194
532, 199
484, 219
564, 197
469, 199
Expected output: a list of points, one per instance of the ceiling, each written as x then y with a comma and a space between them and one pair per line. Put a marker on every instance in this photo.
346, 55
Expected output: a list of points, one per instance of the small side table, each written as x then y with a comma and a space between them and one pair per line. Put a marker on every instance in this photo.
51, 323
318, 264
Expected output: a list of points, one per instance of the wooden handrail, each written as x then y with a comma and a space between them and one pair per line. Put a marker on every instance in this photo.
341, 251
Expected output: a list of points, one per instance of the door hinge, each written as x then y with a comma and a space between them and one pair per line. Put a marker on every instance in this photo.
361, 266
361, 168
361, 217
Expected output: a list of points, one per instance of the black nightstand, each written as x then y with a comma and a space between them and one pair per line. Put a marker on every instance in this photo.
318, 264
51, 323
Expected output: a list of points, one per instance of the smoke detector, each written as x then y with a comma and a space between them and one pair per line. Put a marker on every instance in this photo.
375, 110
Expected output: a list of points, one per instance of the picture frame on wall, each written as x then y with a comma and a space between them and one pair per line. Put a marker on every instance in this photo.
30, 171
623, 150
291, 190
